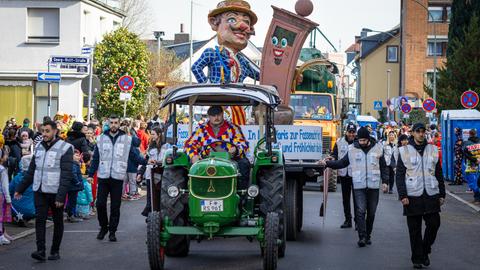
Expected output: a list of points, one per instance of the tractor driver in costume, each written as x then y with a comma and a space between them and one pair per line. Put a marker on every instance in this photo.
220, 135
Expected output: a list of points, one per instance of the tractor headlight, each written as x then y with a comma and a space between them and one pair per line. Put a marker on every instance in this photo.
253, 191
173, 191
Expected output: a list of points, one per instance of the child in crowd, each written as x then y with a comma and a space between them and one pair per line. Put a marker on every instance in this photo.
5, 200
84, 200
77, 186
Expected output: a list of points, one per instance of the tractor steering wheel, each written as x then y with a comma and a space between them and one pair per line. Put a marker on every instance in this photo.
213, 146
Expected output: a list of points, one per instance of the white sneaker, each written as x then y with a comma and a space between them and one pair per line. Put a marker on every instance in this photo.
4, 240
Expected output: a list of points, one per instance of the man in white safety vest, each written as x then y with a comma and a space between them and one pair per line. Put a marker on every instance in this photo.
340, 150
113, 150
365, 157
422, 191
50, 172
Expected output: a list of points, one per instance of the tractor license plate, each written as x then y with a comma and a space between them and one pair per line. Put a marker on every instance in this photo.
211, 205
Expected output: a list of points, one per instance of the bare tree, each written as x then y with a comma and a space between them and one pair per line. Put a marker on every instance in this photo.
162, 68
138, 17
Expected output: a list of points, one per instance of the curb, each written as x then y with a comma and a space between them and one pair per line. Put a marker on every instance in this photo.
471, 205
28, 232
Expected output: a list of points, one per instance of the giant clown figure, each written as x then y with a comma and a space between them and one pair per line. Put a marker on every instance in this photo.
233, 20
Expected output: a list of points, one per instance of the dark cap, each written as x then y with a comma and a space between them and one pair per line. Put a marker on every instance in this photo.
402, 137
418, 126
77, 126
363, 133
26, 121
351, 127
215, 110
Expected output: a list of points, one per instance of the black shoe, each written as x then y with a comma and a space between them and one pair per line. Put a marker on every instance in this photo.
426, 262
417, 266
368, 241
346, 224
361, 242
39, 255
54, 256
111, 237
102, 234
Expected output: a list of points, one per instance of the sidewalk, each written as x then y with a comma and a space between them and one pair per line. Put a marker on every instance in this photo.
460, 193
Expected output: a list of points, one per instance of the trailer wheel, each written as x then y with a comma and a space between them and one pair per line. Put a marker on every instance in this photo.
300, 207
156, 253
291, 209
176, 210
272, 229
272, 193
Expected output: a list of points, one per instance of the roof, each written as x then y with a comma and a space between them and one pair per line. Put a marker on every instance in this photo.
222, 94
182, 50
104, 4
370, 43
461, 114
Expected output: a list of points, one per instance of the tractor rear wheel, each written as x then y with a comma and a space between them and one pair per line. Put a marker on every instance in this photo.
291, 209
272, 193
176, 210
156, 253
300, 207
270, 253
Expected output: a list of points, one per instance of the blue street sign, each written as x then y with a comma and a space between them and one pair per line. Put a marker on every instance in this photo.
86, 50
49, 77
377, 105
69, 60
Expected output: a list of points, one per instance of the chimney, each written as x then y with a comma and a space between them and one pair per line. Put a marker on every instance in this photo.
181, 37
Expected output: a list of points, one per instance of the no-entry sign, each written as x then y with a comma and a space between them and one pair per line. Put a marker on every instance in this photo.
126, 83
469, 99
429, 105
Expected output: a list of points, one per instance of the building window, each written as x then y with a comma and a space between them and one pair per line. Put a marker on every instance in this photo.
43, 25
449, 13
116, 25
429, 79
439, 14
41, 100
392, 54
439, 50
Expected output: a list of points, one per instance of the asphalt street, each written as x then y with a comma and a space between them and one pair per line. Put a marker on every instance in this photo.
320, 245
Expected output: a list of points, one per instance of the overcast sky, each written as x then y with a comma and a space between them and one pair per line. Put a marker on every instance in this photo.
339, 20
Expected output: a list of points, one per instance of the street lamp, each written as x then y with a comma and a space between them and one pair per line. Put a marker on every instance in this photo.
158, 36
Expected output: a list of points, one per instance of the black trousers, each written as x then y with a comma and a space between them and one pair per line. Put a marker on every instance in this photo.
72, 203
421, 246
366, 205
43, 201
114, 188
391, 179
347, 187
244, 168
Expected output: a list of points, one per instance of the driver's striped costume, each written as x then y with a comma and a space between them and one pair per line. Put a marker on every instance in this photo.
204, 135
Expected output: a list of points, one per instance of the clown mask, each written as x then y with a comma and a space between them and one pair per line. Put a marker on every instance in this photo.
233, 29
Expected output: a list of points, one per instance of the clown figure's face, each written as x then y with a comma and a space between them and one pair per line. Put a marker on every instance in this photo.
233, 29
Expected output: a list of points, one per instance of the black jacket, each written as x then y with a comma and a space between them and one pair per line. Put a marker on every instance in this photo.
79, 142
66, 175
424, 204
344, 162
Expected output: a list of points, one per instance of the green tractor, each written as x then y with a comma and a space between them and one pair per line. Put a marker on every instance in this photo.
201, 201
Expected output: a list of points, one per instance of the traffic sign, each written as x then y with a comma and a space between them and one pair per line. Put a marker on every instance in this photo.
377, 105
126, 83
49, 77
469, 99
87, 50
406, 108
96, 84
125, 96
429, 105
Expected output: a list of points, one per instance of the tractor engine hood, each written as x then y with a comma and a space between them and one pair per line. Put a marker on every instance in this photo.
214, 167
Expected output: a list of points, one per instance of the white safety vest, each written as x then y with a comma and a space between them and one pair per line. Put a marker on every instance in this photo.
46, 177
365, 167
388, 152
113, 158
420, 174
342, 148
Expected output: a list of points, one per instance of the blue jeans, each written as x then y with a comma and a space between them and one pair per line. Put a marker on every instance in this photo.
366, 201
472, 180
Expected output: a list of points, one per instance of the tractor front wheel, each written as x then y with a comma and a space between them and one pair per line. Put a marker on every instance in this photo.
176, 210
270, 250
156, 253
